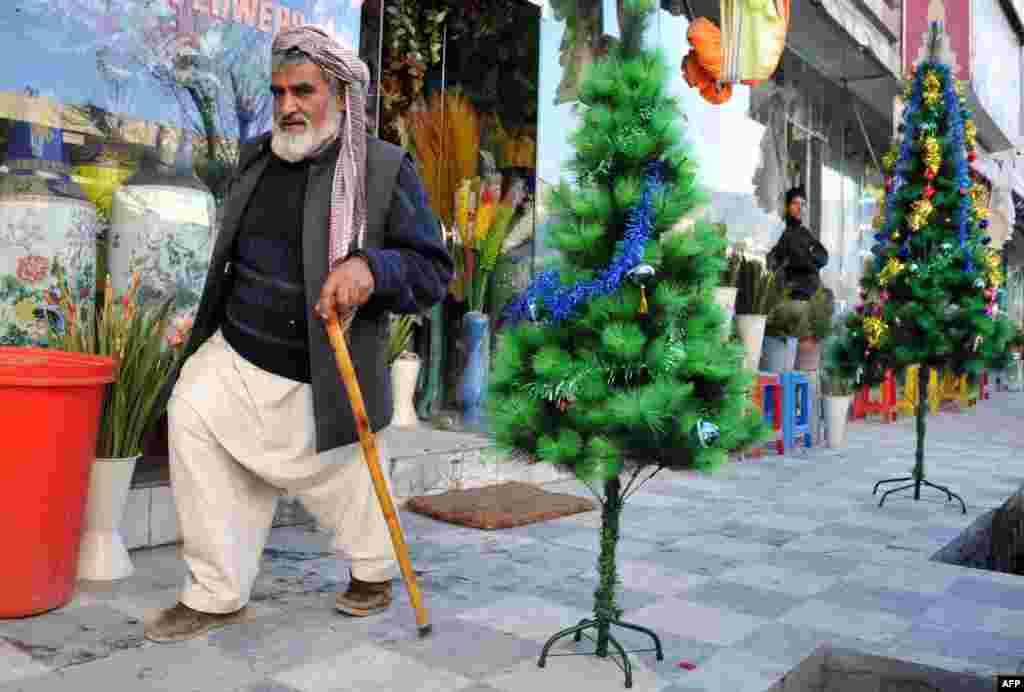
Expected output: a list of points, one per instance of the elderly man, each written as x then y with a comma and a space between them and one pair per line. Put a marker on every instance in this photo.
320, 219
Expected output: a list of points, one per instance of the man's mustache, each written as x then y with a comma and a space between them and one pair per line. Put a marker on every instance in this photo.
293, 119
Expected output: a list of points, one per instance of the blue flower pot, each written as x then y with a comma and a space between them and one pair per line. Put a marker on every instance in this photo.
476, 335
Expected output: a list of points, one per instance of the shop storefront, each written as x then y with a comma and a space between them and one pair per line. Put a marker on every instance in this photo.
133, 110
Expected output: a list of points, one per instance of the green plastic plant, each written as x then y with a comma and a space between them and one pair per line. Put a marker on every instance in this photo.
401, 334
137, 339
731, 273
757, 289
819, 316
787, 319
834, 379
733, 259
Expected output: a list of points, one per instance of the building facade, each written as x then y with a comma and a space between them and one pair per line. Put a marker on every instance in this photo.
94, 91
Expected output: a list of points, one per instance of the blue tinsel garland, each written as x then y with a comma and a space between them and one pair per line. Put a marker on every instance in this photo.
956, 134
956, 138
909, 131
560, 302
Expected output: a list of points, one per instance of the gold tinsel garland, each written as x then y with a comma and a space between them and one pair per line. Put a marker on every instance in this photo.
891, 269
932, 153
932, 93
994, 269
879, 221
921, 210
970, 133
889, 160
874, 330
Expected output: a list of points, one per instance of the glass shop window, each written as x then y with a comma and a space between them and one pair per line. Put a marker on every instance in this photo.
120, 121
847, 209
459, 90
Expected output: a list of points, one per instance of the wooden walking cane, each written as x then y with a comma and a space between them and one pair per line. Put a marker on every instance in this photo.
372, 456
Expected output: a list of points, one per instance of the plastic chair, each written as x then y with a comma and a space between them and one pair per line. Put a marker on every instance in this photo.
907, 404
864, 405
796, 409
955, 389
767, 396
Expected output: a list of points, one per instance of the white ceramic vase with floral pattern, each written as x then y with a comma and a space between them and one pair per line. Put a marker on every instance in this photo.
47, 226
162, 227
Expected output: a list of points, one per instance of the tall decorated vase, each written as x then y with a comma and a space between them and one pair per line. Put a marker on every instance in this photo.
102, 176
476, 335
162, 226
46, 222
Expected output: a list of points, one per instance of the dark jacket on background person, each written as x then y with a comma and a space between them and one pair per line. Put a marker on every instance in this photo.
402, 246
798, 257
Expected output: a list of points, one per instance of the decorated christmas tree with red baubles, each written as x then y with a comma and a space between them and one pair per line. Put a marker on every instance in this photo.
930, 295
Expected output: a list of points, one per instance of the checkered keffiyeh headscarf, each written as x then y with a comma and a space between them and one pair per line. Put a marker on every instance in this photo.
348, 200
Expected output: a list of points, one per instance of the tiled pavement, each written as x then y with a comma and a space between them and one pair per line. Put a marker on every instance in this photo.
743, 574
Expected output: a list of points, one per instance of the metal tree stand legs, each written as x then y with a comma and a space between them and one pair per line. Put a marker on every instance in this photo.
606, 613
578, 634
916, 485
918, 473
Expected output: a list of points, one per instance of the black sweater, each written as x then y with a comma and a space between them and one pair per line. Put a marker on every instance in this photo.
799, 256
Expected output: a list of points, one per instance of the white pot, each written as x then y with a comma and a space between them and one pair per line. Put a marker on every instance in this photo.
102, 554
751, 331
405, 372
837, 412
725, 298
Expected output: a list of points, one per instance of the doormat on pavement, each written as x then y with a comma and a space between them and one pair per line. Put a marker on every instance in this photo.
499, 506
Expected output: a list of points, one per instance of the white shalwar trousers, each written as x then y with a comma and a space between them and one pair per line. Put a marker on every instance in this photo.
240, 437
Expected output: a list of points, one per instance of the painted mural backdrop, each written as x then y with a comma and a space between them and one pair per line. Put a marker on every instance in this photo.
200, 65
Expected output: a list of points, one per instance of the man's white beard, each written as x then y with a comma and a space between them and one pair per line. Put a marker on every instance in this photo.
296, 147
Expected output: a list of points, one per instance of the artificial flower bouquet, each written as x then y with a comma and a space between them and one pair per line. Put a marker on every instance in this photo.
483, 220
146, 348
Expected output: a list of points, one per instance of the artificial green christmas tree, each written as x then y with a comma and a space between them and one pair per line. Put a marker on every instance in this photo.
930, 294
615, 366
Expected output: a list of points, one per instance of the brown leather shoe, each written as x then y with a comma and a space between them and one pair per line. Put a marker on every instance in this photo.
364, 598
180, 622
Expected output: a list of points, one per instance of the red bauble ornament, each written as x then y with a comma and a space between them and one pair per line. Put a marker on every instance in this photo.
929, 174
971, 156
928, 191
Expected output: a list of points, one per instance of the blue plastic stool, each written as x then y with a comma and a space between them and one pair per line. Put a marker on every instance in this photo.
796, 409
771, 407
